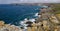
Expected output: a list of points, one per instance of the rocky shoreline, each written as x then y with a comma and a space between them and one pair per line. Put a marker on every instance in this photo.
46, 21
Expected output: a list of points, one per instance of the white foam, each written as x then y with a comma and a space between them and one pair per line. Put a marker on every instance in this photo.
25, 27
36, 14
32, 20
25, 19
21, 22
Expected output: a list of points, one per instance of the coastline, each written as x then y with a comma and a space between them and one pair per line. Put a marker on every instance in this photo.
46, 21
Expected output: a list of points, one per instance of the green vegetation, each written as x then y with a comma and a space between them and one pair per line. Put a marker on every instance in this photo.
56, 8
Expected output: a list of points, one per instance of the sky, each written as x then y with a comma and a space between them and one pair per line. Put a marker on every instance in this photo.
28, 1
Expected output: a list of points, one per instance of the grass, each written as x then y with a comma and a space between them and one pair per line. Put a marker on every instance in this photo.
56, 8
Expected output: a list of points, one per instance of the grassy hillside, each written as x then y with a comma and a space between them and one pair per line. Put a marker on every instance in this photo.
56, 8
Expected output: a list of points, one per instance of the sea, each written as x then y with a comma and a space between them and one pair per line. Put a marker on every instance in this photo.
13, 14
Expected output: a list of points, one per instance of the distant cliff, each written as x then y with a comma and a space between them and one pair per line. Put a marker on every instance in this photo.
26, 4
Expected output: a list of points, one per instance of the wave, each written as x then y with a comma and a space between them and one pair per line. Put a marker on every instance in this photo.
36, 14
28, 19
32, 20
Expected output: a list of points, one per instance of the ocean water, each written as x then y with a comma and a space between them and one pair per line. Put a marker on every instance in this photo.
12, 14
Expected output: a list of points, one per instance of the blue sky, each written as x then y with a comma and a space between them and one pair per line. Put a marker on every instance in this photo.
28, 1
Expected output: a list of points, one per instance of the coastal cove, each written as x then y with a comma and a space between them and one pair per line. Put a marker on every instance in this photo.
12, 14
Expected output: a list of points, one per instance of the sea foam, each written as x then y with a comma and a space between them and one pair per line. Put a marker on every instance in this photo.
36, 14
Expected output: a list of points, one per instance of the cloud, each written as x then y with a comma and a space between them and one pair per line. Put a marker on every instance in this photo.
28, 1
